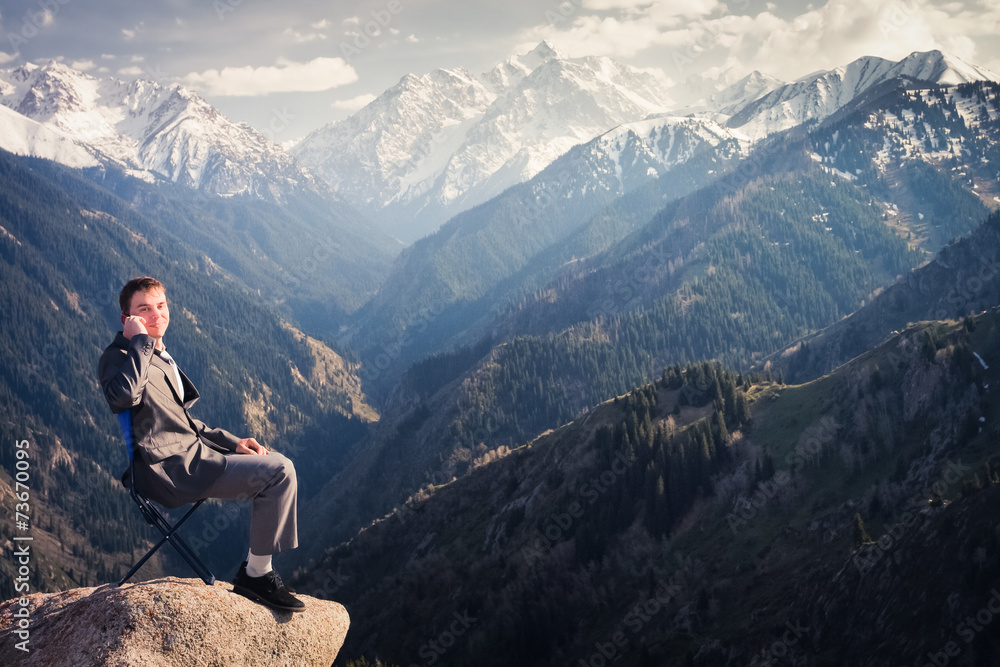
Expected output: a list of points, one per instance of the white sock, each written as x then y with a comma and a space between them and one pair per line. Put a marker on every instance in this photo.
258, 566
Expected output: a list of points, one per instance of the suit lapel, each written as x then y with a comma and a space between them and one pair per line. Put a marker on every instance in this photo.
168, 372
190, 392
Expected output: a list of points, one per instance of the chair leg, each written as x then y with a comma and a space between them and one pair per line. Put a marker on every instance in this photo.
141, 562
186, 552
169, 535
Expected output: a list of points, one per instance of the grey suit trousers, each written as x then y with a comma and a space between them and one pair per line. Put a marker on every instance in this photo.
267, 480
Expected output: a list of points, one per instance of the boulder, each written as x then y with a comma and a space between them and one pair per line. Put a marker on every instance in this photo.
168, 622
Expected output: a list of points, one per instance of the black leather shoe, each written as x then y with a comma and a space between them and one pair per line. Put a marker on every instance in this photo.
268, 590
242, 572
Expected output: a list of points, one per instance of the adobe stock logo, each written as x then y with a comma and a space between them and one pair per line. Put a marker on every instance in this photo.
371, 30
866, 558
34, 21
635, 621
967, 631
432, 651
558, 524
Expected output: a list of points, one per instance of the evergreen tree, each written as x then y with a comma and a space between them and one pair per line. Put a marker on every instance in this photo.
861, 536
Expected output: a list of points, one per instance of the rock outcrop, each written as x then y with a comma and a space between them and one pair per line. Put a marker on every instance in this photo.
169, 622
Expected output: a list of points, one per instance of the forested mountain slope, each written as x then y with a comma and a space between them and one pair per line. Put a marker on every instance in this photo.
961, 280
710, 518
783, 246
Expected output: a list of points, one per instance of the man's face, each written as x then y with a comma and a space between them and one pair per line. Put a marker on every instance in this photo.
152, 307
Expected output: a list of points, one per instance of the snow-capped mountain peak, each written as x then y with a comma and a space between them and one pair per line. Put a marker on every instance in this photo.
154, 131
634, 153
942, 68
23, 136
512, 71
437, 144
736, 96
48, 92
538, 56
818, 95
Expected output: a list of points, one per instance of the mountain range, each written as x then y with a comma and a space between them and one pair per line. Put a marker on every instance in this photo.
587, 382
151, 131
426, 149
435, 145
917, 161
920, 160
817, 96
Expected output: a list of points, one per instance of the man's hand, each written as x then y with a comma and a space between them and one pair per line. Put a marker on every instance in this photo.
250, 446
133, 324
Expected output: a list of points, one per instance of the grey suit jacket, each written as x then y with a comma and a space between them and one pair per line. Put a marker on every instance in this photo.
176, 456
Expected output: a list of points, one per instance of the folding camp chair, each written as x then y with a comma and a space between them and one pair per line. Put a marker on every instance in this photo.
156, 519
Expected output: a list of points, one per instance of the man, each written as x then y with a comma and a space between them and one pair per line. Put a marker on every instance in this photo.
179, 460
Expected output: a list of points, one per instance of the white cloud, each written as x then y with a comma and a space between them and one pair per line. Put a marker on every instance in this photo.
7, 57
842, 30
743, 35
130, 71
82, 65
656, 10
320, 25
130, 33
604, 5
303, 38
285, 77
354, 103
622, 28
412, 39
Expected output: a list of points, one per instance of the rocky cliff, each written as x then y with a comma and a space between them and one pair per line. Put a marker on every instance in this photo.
167, 622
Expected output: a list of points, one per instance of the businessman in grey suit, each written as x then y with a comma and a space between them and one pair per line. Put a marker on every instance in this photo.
178, 459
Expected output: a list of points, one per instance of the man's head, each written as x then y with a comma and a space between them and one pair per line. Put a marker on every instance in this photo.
146, 297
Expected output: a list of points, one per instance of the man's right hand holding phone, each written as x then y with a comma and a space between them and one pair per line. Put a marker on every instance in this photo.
133, 325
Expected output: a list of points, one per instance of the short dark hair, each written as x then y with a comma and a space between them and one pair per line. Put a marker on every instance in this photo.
140, 284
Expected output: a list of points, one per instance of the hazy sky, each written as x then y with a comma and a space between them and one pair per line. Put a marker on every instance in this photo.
288, 67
